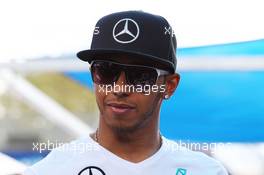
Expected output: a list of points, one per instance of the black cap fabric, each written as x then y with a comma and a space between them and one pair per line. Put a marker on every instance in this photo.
146, 37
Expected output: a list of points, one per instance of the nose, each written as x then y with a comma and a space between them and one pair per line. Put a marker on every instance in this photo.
119, 89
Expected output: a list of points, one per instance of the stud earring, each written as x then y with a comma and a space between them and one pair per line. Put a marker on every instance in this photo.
166, 96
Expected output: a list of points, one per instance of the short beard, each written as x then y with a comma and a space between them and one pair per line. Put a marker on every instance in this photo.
123, 133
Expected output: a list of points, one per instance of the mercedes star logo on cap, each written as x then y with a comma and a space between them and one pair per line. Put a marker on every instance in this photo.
125, 23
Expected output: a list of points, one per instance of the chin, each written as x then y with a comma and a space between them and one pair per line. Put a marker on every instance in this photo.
125, 123
124, 127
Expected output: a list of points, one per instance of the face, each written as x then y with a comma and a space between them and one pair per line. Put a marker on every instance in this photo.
127, 110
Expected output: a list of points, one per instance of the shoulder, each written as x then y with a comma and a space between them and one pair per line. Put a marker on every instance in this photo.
60, 156
194, 159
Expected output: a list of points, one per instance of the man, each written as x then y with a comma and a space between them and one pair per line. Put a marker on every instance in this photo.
133, 67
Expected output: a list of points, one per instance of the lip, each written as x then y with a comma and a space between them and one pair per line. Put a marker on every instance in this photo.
120, 108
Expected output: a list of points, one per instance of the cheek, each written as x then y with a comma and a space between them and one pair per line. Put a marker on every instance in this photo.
100, 96
147, 102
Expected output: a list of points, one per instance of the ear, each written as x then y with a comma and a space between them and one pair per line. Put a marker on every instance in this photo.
171, 82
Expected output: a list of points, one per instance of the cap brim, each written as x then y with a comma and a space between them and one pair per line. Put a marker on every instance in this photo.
149, 60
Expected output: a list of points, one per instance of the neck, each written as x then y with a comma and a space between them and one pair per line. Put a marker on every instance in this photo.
133, 146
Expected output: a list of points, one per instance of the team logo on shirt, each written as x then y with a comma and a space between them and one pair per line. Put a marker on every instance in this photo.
181, 171
91, 170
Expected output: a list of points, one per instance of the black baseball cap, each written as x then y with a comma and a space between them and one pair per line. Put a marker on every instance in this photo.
145, 37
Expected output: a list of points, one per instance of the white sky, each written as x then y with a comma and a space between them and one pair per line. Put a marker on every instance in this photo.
36, 28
